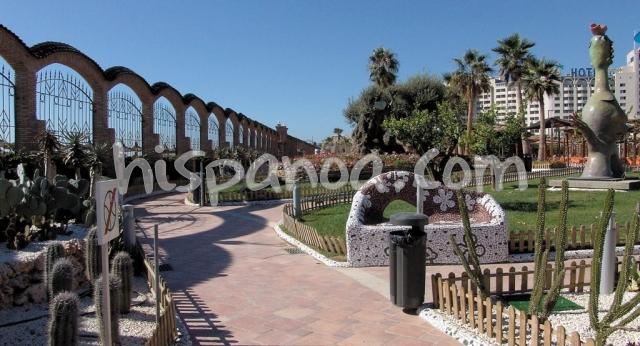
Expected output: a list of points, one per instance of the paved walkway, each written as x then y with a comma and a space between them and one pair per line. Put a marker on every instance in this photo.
234, 283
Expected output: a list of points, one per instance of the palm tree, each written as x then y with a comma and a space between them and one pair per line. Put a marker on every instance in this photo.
48, 144
470, 78
541, 77
337, 131
97, 156
513, 54
383, 67
74, 152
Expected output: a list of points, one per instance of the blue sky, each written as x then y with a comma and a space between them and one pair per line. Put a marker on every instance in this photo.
298, 62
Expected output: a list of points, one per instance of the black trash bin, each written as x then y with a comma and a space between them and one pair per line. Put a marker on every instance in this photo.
528, 162
407, 257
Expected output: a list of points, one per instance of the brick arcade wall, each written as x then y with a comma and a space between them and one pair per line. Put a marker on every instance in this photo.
27, 61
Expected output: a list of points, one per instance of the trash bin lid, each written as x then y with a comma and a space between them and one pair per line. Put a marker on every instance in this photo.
409, 219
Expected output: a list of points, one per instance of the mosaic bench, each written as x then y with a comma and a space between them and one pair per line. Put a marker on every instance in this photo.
368, 232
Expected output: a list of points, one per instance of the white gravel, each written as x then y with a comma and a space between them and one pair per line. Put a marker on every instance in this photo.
31, 251
136, 327
452, 327
578, 320
308, 250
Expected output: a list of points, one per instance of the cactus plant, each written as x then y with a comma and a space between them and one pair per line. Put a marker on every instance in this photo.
114, 311
63, 320
61, 278
619, 314
122, 268
537, 305
92, 255
470, 262
52, 253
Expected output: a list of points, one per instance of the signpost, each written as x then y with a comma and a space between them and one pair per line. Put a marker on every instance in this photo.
108, 224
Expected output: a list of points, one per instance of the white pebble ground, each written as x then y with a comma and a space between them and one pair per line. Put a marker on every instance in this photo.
135, 327
578, 320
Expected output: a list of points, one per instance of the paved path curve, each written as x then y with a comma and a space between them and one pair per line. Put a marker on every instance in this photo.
234, 283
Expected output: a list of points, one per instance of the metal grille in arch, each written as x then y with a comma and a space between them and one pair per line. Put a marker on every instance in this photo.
125, 117
7, 110
65, 103
214, 130
192, 128
164, 124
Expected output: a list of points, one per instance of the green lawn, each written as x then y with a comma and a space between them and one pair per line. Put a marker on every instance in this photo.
520, 208
584, 206
521, 302
331, 221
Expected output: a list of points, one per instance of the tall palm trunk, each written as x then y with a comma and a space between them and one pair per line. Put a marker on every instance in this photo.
525, 144
542, 149
470, 102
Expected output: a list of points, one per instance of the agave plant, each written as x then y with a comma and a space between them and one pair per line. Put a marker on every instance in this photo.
75, 152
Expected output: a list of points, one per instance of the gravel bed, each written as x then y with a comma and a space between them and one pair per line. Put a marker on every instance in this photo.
31, 251
454, 328
136, 327
578, 320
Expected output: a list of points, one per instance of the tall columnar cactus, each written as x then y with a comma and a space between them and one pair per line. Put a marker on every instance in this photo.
122, 268
113, 310
63, 320
92, 255
537, 305
52, 253
61, 277
619, 314
470, 262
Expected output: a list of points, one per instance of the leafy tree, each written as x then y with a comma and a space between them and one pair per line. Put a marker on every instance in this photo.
420, 92
541, 77
513, 54
424, 129
383, 67
470, 78
337, 131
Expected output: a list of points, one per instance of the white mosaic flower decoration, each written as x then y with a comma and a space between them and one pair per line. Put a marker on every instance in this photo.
400, 183
470, 201
444, 198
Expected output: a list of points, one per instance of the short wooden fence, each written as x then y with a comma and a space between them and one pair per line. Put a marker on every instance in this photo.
309, 235
504, 326
456, 296
165, 332
580, 237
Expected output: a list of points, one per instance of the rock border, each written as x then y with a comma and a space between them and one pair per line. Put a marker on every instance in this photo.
452, 327
308, 250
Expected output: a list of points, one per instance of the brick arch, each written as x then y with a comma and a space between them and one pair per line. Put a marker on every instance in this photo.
13, 49
200, 107
218, 112
235, 121
122, 75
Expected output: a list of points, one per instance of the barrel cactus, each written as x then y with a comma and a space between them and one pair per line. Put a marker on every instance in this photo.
122, 268
92, 255
61, 278
113, 309
52, 253
63, 320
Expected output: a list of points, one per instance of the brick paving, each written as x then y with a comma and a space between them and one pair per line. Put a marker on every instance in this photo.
234, 283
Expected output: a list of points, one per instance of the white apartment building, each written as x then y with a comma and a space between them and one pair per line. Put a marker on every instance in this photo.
577, 87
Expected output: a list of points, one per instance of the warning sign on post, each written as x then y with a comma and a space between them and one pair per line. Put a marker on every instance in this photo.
107, 210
